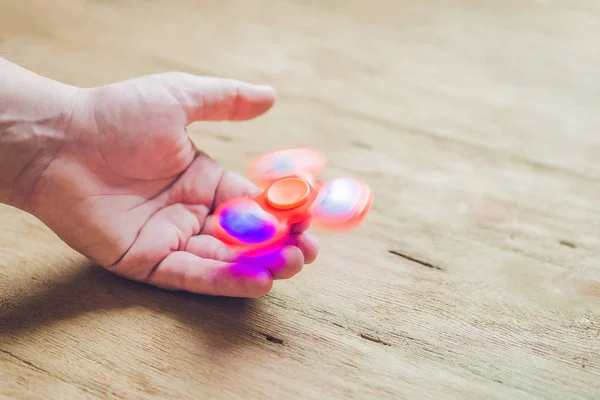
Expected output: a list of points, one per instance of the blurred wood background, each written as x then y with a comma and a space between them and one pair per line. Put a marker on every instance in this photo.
476, 276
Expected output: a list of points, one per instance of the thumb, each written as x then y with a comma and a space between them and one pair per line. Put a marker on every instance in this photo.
217, 99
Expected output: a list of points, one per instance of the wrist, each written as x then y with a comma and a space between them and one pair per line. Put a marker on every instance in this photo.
35, 115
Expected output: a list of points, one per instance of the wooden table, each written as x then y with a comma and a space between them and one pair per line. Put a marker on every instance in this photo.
477, 275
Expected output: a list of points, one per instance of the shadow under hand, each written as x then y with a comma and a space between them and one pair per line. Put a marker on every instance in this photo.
219, 321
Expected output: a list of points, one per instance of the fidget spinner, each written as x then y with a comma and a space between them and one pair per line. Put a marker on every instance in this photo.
292, 194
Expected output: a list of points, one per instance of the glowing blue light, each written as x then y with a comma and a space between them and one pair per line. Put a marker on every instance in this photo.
247, 225
339, 197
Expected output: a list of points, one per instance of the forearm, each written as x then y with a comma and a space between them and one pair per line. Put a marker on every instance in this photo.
34, 112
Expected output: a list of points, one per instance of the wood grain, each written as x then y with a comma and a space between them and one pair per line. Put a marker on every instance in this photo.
477, 274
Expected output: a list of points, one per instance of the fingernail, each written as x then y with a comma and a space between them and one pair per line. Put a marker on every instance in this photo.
265, 89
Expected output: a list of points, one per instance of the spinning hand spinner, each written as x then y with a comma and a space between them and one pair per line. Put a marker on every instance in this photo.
293, 194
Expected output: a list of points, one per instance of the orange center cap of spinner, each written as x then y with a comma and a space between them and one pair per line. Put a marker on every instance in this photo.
288, 193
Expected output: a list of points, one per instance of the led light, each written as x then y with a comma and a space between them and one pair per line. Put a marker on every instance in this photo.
248, 224
339, 198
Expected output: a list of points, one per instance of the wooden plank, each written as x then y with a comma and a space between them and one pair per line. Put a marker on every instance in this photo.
477, 274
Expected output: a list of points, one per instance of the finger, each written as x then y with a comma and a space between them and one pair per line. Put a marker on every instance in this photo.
301, 226
308, 245
218, 99
185, 271
283, 263
209, 247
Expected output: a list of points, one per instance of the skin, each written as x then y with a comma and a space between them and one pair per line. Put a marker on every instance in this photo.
112, 171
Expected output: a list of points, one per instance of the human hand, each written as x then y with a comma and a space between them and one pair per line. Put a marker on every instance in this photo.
128, 189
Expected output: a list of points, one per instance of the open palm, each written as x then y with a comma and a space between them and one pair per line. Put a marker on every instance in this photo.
129, 190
